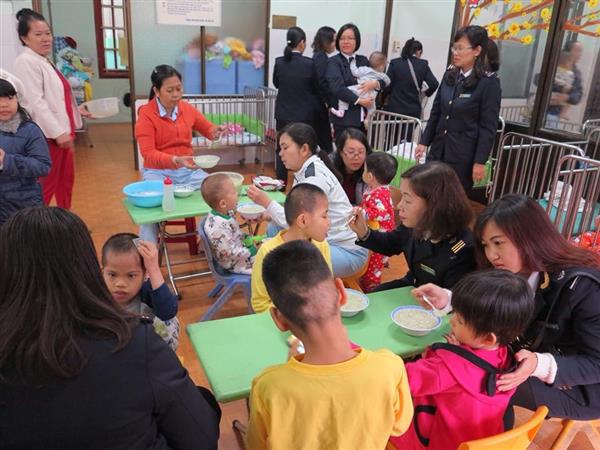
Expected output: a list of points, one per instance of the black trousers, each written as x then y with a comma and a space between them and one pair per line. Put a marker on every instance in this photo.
567, 404
322, 127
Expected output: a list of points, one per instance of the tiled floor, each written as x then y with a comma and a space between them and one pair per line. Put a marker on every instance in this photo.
101, 172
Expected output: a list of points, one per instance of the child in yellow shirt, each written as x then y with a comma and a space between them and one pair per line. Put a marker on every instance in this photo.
332, 397
306, 214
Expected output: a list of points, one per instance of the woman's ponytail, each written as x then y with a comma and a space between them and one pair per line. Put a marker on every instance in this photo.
294, 36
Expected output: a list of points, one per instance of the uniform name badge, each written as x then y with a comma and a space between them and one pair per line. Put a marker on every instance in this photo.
464, 96
427, 269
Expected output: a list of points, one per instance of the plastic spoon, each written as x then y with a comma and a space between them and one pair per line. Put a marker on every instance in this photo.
436, 312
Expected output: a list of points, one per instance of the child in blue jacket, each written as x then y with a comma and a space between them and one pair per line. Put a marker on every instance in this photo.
23, 151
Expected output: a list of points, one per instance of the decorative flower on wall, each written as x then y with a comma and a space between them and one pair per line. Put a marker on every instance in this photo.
534, 15
527, 39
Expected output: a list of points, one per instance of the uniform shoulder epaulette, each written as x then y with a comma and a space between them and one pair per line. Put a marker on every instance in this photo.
458, 246
450, 67
146, 319
490, 74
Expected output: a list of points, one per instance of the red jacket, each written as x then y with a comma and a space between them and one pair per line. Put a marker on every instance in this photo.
160, 138
455, 387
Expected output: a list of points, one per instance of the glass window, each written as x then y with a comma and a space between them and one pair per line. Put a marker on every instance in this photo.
575, 93
112, 41
520, 31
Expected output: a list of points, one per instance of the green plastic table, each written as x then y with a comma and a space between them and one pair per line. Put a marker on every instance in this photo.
191, 206
233, 351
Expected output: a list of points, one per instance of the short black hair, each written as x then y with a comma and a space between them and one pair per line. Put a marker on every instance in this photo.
494, 301
302, 198
348, 26
300, 283
121, 243
383, 166
7, 89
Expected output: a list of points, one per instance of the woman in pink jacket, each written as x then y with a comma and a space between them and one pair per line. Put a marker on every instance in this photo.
50, 101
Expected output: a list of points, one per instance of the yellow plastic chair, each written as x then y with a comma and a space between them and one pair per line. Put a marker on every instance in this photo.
516, 439
353, 281
570, 429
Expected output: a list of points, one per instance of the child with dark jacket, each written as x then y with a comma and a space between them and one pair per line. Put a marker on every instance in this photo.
23, 152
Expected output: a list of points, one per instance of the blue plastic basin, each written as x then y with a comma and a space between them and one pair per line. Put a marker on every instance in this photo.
145, 194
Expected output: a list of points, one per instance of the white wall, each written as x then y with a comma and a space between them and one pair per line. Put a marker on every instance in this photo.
10, 46
311, 15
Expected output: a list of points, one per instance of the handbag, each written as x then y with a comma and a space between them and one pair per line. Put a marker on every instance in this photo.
422, 97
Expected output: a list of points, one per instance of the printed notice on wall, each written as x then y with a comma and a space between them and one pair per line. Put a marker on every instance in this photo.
189, 12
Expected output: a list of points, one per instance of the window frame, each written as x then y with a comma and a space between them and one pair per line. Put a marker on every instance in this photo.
103, 71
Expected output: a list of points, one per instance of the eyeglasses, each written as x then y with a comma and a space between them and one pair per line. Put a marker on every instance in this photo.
354, 153
456, 49
346, 38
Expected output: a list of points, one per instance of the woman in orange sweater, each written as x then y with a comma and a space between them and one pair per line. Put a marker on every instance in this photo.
164, 133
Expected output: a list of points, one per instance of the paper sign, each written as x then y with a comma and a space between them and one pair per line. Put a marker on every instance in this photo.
189, 12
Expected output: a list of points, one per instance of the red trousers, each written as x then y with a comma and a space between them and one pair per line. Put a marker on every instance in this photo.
59, 182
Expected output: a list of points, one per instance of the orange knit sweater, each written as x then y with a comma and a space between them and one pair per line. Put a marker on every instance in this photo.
160, 138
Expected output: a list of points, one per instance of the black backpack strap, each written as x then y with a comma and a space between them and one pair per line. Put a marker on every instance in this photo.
490, 370
571, 276
422, 409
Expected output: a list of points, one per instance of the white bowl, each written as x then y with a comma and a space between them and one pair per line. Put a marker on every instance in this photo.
357, 302
405, 316
250, 211
102, 107
183, 190
238, 179
206, 161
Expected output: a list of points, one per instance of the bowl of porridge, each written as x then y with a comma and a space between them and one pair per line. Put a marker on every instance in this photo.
415, 320
355, 303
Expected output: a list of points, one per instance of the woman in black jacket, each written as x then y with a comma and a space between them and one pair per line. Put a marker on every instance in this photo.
559, 363
434, 233
403, 91
323, 45
298, 98
76, 371
339, 77
464, 118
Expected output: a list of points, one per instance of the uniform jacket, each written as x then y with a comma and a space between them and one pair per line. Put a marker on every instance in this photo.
572, 335
320, 59
442, 263
443, 380
339, 77
463, 121
44, 96
26, 160
298, 96
403, 97
137, 398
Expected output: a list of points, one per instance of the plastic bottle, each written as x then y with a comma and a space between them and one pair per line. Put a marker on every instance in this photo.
168, 201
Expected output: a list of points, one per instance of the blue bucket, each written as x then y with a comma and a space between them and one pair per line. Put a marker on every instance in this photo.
145, 194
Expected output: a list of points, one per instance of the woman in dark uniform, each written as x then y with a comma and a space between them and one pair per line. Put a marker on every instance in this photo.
559, 365
339, 77
403, 96
298, 98
434, 234
323, 45
463, 121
